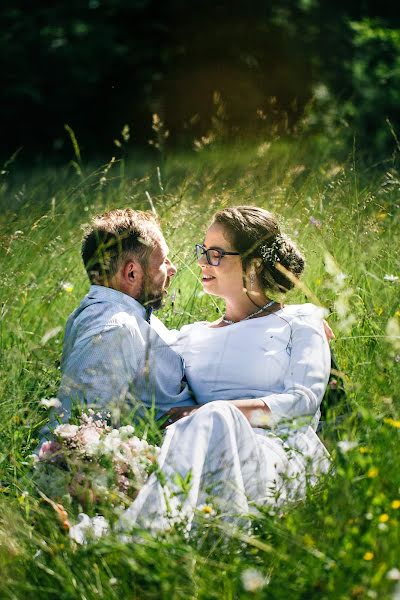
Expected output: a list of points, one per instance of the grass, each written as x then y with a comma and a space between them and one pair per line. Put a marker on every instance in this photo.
344, 539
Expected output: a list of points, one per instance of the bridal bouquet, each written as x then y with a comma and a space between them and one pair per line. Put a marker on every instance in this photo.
93, 464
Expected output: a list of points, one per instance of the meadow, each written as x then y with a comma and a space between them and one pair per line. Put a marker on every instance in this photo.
343, 541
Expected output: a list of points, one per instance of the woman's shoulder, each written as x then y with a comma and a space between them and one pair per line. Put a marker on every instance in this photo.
304, 313
307, 309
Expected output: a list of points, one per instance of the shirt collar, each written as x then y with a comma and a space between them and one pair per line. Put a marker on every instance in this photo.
106, 294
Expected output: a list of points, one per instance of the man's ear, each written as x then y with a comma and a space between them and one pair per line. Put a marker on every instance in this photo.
131, 271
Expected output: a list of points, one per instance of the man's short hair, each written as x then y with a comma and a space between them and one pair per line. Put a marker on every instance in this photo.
113, 236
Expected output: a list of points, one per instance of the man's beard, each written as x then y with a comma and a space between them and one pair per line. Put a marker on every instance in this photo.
149, 297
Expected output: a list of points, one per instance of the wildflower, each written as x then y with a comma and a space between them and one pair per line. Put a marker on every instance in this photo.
391, 278
67, 286
87, 528
393, 575
383, 518
50, 451
112, 442
395, 504
392, 422
50, 402
126, 431
340, 277
113, 581
260, 418
373, 472
369, 516
89, 438
66, 431
207, 510
346, 445
382, 526
253, 580
368, 556
363, 450
315, 222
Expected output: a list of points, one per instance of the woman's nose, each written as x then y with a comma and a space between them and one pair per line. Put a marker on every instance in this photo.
171, 269
202, 260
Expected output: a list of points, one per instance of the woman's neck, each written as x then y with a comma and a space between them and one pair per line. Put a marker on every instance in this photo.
238, 309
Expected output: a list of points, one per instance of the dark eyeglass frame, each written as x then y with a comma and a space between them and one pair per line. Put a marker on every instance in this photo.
201, 251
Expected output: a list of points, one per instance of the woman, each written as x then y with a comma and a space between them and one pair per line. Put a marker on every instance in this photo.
260, 371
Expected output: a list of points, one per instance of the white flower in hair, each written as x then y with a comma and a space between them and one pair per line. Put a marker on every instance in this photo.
270, 252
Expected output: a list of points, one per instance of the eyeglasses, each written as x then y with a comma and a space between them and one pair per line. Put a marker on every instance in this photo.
213, 255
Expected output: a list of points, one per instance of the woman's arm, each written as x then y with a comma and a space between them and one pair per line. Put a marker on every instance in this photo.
304, 381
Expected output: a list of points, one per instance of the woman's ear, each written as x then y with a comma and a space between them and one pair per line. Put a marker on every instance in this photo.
257, 265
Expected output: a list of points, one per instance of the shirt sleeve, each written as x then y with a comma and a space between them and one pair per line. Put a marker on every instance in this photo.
306, 378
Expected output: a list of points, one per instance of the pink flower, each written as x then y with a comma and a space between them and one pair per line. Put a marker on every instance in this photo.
315, 222
50, 452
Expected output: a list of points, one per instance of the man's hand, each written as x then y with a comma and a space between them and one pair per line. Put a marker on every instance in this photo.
174, 414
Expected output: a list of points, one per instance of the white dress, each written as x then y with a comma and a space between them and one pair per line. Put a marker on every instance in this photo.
221, 460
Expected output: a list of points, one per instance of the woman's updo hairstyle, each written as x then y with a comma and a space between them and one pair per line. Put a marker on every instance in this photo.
255, 233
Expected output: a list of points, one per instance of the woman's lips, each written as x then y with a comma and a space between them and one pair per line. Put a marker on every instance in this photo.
207, 279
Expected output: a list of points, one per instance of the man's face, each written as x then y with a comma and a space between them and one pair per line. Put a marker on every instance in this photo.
157, 275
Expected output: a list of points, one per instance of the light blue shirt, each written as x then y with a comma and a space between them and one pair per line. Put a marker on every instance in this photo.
114, 359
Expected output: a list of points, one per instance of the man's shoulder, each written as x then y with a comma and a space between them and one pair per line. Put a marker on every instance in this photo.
95, 317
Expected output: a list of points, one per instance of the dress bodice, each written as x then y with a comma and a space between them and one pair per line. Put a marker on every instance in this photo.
283, 357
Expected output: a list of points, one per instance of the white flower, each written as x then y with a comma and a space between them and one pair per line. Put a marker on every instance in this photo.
396, 592
391, 278
89, 436
112, 442
346, 445
393, 575
50, 402
126, 431
253, 580
88, 528
340, 277
67, 286
207, 510
66, 432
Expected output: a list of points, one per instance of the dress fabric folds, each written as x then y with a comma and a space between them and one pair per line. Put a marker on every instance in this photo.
233, 468
214, 457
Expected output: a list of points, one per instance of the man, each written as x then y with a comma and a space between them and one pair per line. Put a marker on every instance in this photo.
116, 354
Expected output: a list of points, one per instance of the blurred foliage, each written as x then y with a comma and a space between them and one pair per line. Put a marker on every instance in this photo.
239, 70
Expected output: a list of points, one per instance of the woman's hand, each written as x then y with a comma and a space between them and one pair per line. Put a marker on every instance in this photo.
328, 331
174, 414
255, 410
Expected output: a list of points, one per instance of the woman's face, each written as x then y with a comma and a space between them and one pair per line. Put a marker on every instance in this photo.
226, 280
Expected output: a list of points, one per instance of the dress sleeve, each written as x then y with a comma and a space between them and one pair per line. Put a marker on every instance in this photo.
306, 378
